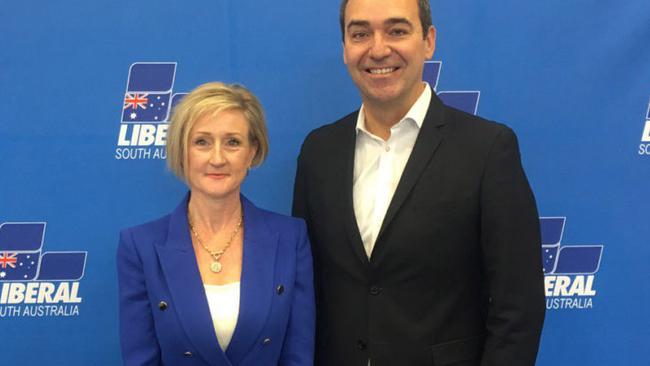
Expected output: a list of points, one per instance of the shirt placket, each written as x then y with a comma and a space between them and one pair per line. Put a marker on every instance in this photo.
384, 183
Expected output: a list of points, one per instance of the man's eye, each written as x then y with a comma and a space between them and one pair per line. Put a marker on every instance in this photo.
398, 32
358, 35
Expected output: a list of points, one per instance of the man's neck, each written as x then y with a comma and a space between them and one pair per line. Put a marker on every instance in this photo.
380, 117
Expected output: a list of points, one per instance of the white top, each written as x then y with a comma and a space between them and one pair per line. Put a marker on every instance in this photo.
378, 167
223, 301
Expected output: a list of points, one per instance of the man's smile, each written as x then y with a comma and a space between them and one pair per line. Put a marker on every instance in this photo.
381, 70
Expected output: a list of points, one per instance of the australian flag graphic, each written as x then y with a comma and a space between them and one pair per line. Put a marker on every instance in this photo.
148, 94
22, 259
466, 101
567, 259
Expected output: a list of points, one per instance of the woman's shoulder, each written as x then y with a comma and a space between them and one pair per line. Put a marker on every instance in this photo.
152, 231
281, 221
276, 222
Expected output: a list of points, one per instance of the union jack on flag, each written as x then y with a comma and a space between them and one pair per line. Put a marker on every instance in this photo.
8, 259
135, 101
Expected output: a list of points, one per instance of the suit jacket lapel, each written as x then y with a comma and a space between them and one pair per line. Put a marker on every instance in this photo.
347, 148
427, 142
186, 287
256, 295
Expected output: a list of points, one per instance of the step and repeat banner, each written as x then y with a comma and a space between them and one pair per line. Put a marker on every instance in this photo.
86, 89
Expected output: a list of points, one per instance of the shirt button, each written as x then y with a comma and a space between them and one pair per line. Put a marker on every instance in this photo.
361, 345
162, 306
387, 148
187, 354
374, 290
279, 289
266, 341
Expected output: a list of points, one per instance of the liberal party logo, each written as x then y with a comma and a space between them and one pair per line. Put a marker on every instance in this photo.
644, 147
465, 100
35, 283
148, 101
569, 270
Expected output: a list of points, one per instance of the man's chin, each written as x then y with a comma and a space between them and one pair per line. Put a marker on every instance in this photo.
383, 96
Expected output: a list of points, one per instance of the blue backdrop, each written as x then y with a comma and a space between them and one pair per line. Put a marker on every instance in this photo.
572, 78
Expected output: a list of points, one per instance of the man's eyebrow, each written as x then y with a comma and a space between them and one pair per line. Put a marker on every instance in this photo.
389, 21
358, 23
393, 21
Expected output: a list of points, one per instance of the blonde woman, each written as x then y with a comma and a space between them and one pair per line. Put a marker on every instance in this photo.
218, 281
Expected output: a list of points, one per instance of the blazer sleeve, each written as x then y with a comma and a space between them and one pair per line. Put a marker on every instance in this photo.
511, 246
298, 347
137, 334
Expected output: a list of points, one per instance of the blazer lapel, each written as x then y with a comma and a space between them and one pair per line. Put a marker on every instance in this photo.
260, 248
427, 142
347, 149
186, 287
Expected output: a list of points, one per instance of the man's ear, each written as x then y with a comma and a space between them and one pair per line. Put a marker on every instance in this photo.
430, 41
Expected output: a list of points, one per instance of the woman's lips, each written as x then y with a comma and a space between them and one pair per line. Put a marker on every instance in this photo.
217, 175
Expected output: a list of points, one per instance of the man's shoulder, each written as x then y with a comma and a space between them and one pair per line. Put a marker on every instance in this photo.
336, 129
469, 126
329, 136
463, 120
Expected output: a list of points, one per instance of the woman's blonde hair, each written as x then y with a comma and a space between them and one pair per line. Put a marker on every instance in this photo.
210, 99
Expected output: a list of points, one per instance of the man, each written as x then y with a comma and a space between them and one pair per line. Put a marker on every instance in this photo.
424, 229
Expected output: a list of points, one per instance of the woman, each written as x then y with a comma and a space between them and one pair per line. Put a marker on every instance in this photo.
218, 281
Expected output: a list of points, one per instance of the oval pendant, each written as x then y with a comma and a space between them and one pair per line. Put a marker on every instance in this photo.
215, 267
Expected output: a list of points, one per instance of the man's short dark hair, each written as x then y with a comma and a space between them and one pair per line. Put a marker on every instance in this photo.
424, 10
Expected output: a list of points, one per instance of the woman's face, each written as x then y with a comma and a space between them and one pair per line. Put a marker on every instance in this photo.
219, 154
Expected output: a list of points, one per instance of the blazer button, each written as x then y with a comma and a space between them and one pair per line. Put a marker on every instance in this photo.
162, 305
374, 290
187, 354
279, 289
266, 341
361, 345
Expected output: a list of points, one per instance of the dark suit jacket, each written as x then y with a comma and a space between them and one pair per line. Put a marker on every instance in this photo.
156, 264
455, 277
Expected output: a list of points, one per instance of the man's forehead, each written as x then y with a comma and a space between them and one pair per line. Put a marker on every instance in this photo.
381, 11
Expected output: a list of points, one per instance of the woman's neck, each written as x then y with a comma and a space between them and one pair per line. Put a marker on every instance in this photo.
213, 215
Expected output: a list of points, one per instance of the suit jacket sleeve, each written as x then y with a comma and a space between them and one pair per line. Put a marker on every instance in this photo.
299, 208
298, 347
510, 240
137, 334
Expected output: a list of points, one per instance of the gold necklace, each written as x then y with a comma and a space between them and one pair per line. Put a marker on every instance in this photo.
215, 254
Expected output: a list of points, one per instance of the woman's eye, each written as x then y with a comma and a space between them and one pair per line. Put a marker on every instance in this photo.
200, 142
233, 142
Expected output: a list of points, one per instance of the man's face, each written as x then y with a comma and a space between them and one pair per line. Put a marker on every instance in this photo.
385, 50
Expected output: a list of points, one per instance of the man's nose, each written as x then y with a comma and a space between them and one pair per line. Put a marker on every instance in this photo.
379, 48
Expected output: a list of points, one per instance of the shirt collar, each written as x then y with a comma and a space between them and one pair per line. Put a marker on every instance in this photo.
416, 114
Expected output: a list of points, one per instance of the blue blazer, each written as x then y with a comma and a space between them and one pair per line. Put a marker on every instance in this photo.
164, 314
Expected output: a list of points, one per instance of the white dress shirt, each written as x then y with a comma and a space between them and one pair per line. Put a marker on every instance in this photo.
378, 167
223, 301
